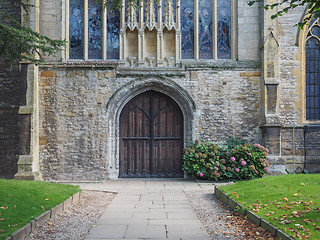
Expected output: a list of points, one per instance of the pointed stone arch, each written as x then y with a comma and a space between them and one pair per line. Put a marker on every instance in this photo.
132, 89
303, 35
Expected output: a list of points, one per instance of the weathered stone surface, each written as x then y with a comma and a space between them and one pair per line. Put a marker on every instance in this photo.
76, 128
259, 97
9, 120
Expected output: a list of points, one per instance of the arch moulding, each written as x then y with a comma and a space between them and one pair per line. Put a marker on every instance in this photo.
127, 92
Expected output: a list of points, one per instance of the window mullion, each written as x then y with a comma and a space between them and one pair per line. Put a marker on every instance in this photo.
214, 30
122, 37
104, 31
67, 28
196, 29
85, 30
178, 31
234, 29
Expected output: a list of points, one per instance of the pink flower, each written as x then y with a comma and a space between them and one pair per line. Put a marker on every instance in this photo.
255, 145
243, 163
237, 170
249, 154
264, 165
233, 159
201, 174
266, 169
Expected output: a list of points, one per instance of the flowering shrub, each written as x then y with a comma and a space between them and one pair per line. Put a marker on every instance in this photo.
208, 161
202, 159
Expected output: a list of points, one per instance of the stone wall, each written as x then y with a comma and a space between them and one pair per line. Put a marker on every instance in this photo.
292, 93
75, 127
9, 107
9, 120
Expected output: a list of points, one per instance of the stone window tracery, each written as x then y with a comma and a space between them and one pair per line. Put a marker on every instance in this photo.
312, 53
154, 33
93, 31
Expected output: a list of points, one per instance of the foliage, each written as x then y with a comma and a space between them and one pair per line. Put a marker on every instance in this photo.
22, 201
19, 42
289, 202
232, 162
22, 43
234, 141
285, 6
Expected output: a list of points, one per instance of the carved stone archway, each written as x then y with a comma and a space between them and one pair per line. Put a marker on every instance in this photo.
126, 93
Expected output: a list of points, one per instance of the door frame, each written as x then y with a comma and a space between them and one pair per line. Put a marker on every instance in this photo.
129, 91
149, 112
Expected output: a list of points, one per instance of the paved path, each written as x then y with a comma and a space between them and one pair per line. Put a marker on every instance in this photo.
149, 209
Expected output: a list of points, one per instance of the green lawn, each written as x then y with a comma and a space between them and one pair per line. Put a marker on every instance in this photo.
22, 201
289, 202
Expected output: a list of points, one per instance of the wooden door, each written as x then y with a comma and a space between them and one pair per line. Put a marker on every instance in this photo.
151, 137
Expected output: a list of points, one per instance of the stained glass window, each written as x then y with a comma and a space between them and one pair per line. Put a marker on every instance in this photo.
187, 29
76, 29
224, 29
205, 29
95, 29
313, 73
113, 29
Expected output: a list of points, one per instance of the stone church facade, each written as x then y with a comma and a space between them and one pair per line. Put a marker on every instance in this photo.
135, 86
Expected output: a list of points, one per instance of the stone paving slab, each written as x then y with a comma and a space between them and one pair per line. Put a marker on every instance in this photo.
149, 209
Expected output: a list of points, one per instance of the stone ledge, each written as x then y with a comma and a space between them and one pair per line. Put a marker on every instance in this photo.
21, 233
25, 110
253, 217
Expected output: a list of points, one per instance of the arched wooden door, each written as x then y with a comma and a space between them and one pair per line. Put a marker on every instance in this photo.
151, 137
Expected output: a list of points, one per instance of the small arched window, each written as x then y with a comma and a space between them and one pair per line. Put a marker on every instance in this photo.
312, 53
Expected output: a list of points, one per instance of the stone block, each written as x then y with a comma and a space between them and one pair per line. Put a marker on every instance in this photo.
224, 197
254, 218
241, 210
25, 168
232, 203
42, 218
268, 226
67, 203
217, 191
22, 232
48, 73
23, 110
283, 236
56, 210
76, 197
33, 225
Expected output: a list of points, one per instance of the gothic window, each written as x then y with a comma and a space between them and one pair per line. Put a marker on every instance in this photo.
187, 29
172, 29
113, 30
224, 29
211, 31
205, 29
93, 30
76, 30
312, 52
